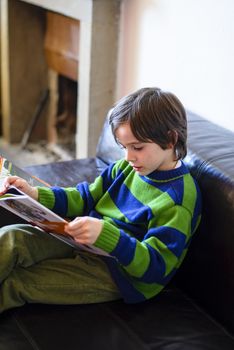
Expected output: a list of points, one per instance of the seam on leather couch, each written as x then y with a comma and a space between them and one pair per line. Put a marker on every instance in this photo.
25, 333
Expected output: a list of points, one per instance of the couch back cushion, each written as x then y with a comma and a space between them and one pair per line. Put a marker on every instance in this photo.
107, 149
208, 270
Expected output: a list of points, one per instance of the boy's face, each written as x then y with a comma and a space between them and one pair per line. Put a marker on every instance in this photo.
144, 157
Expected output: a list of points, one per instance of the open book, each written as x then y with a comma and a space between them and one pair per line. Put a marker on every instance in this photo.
32, 211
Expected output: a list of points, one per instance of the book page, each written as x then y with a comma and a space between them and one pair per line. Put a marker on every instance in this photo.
31, 210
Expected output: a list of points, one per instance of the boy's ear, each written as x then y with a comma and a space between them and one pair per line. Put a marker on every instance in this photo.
173, 138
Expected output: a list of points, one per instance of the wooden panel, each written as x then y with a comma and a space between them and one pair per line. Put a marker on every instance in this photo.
62, 44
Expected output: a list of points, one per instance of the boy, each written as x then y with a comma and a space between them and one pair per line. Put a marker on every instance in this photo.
142, 210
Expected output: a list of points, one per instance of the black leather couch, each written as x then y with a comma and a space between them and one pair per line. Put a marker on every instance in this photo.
195, 312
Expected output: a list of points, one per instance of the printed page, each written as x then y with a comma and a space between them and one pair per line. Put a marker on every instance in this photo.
31, 210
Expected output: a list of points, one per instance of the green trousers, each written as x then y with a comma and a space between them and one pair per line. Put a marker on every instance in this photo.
37, 268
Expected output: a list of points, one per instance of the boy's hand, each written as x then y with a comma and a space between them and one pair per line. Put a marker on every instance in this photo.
84, 230
21, 184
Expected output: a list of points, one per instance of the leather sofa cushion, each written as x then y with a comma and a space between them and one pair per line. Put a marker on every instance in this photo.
169, 321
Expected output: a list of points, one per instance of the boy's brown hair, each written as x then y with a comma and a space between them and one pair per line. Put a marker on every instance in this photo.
155, 116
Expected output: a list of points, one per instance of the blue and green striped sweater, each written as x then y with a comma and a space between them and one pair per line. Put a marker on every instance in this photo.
148, 222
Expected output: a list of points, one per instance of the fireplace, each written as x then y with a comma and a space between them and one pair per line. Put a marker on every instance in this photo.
41, 101
61, 47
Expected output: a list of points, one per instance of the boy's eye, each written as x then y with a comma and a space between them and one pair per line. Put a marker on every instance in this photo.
137, 148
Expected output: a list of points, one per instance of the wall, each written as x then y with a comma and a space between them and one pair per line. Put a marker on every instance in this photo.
185, 46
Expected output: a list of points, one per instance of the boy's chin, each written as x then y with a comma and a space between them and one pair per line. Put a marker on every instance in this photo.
143, 172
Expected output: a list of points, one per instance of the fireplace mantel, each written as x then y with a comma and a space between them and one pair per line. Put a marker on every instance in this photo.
99, 27
78, 9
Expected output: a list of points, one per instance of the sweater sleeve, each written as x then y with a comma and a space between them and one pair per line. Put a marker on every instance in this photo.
79, 200
156, 257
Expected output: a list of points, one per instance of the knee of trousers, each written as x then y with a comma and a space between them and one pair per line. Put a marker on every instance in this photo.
24, 242
16, 234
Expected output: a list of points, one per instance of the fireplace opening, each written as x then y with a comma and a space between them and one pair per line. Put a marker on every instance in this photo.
61, 47
43, 98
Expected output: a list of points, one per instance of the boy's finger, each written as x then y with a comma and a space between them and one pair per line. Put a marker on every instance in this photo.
9, 180
73, 225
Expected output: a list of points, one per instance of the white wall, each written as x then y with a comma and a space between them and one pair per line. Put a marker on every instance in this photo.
185, 46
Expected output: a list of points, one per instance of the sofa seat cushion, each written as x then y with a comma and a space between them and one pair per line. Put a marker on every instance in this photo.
169, 321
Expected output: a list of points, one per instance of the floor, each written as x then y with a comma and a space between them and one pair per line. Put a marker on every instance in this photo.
33, 154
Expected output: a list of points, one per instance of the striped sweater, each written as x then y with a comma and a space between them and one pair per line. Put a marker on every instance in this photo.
148, 222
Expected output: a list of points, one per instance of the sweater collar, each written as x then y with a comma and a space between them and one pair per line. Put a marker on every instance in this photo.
165, 175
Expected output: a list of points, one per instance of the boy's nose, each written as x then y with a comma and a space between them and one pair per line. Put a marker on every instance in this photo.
129, 156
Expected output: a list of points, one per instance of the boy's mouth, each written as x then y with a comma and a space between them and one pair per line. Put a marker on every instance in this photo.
137, 168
